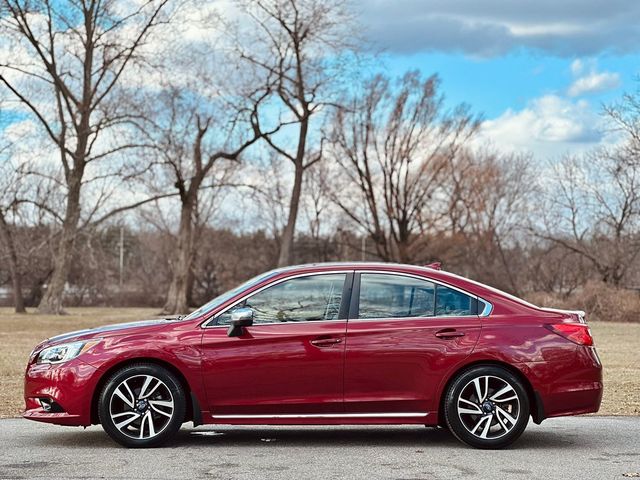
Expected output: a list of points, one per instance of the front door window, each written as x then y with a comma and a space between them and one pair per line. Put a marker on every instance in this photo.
303, 299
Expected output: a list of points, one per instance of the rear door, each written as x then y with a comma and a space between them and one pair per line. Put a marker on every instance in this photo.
290, 361
404, 333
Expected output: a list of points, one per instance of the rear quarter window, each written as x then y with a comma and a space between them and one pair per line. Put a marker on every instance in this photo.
450, 302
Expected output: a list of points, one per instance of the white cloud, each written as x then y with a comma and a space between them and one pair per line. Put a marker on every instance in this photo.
589, 80
577, 67
548, 126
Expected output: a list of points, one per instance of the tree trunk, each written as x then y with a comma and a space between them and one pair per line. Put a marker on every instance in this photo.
177, 297
51, 302
16, 277
286, 245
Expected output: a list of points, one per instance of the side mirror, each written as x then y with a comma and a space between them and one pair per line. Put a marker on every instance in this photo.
240, 318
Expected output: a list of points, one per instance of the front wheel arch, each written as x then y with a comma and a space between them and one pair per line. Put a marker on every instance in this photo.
189, 414
535, 405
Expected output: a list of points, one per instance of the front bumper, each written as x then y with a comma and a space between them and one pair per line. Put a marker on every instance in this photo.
68, 386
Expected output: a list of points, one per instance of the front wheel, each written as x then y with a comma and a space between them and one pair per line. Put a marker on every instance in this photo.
142, 405
486, 407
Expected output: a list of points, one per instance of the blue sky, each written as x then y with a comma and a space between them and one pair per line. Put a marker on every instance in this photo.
540, 71
492, 85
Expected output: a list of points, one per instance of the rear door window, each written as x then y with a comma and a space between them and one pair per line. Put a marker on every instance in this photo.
452, 302
397, 296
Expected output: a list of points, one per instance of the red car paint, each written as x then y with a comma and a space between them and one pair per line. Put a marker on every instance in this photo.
334, 372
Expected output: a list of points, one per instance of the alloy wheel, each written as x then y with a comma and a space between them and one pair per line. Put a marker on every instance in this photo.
488, 407
141, 406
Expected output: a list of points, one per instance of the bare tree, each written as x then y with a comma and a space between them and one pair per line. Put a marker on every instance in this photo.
271, 192
593, 210
10, 198
68, 61
393, 147
302, 43
24, 198
488, 196
199, 143
625, 117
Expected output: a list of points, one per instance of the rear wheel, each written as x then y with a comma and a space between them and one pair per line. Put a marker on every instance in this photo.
487, 407
142, 405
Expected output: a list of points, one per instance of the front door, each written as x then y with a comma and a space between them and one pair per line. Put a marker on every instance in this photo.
404, 334
290, 361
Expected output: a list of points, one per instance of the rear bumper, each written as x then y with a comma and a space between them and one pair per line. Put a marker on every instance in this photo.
70, 385
567, 388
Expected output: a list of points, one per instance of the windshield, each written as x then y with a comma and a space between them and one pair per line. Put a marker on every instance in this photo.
220, 299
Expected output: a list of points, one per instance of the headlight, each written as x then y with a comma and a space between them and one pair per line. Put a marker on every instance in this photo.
64, 352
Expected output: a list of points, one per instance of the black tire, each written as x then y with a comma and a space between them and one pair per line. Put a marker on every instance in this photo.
500, 430
144, 413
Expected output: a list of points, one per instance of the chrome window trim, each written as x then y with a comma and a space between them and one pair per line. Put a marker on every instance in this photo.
488, 307
206, 323
486, 311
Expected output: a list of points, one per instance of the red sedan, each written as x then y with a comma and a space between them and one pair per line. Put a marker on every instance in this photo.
330, 344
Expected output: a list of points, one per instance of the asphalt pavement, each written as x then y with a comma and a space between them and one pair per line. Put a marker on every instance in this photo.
566, 448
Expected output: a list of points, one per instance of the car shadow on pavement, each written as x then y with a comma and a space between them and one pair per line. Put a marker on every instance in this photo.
409, 437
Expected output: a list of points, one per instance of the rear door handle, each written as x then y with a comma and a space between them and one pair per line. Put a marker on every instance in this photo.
325, 342
449, 333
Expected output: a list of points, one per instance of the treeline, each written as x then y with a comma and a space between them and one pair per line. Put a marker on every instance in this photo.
541, 271
159, 153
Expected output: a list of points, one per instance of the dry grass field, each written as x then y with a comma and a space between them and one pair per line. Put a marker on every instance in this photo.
618, 345
20, 333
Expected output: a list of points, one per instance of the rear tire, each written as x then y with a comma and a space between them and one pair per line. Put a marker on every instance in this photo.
486, 407
142, 405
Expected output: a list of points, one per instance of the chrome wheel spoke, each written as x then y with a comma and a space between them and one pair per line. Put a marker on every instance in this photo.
481, 385
500, 411
468, 411
502, 424
126, 399
487, 426
148, 420
157, 410
497, 397
465, 406
161, 403
147, 382
152, 431
484, 419
476, 384
145, 385
133, 416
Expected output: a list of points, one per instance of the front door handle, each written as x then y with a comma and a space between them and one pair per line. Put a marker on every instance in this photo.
449, 333
325, 342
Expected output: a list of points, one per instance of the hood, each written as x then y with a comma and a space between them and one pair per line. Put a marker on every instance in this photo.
108, 330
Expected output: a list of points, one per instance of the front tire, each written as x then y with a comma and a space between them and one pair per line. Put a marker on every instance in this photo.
142, 405
486, 407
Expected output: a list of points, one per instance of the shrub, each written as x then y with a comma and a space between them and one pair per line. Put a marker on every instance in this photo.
599, 300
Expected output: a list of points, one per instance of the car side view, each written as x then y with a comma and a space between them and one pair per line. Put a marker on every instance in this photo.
326, 344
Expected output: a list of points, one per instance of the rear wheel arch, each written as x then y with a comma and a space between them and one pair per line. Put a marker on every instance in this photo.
189, 414
535, 406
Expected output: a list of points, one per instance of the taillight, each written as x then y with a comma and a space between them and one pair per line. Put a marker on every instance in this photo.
576, 332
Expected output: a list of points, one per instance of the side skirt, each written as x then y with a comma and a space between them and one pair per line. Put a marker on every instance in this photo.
420, 418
